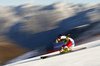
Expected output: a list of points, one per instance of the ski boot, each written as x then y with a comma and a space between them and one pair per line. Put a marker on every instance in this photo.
64, 50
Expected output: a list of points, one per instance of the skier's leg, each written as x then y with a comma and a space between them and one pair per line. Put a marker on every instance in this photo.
72, 46
65, 49
62, 48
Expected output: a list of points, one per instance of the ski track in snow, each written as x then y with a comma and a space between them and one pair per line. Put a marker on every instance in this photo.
86, 57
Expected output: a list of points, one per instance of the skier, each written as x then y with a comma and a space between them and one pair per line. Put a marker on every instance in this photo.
69, 42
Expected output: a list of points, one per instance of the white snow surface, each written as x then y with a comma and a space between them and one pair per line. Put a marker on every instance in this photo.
86, 57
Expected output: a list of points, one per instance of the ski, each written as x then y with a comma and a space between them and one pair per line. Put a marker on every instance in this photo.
73, 50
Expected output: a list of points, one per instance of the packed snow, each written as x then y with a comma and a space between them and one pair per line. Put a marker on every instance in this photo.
87, 57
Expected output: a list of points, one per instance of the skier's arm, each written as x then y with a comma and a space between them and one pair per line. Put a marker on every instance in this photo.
57, 40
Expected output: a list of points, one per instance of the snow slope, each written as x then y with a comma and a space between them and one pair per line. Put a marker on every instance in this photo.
86, 57
21, 24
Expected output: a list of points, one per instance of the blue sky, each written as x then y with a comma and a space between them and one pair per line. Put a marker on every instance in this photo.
43, 2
